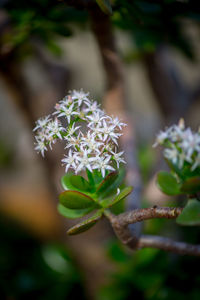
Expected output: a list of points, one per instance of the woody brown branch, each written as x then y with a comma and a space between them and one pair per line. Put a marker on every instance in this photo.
120, 223
139, 215
167, 244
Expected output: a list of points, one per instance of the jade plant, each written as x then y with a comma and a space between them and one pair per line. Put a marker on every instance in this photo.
91, 145
93, 173
182, 154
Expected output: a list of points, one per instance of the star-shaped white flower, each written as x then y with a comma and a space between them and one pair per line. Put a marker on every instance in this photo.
40, 146
68, 112
93, 107
96, 130
42, 123
182, 157
67, 101
85, 161
108, 132
161, 138
108, 147
55, 128
117, 157
72, 130
172, 154
70, 161
116, 123
191, 142
94, 147
80, 96
89, 142
95, 118
74, 141
102, 164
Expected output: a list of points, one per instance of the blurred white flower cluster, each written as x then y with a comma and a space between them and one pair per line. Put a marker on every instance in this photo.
182, 145
90, 135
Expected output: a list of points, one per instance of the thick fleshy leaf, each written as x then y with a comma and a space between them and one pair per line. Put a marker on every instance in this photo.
90, 179
97, 177
106, 201
167, 183
105, 6
190, 214
110, 184
110, 201
106, 183
75, 200
185, 172
66, 182
191, 185
75, 182
120, 177
86, 224
80, 183
73, 213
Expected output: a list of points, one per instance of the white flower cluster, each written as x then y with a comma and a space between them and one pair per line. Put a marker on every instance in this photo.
91, 135
182, 145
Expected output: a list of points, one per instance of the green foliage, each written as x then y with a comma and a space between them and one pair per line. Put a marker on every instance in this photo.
168, 183
75, 182
106, 185
75, 200
105, 6
191, 185
179, 184
189, 181
150, 274
42, 21
152, 23
115, 199
190, 214
185, 172
82, 197
109, 185
183, 180
73, 213
86, 224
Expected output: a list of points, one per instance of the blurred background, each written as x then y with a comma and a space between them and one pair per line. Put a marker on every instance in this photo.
140, 60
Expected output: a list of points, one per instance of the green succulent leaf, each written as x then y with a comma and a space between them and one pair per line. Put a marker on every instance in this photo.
168, 183
110, 183
91, 179
106, 201
97, 177
76, 200
190, 214
73, 213
86, 224
105, 6
75, 182
106, 183
191, 185
110, 201
185, 172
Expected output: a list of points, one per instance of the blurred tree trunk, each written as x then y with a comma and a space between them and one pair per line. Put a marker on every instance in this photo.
173, 96
115, 103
